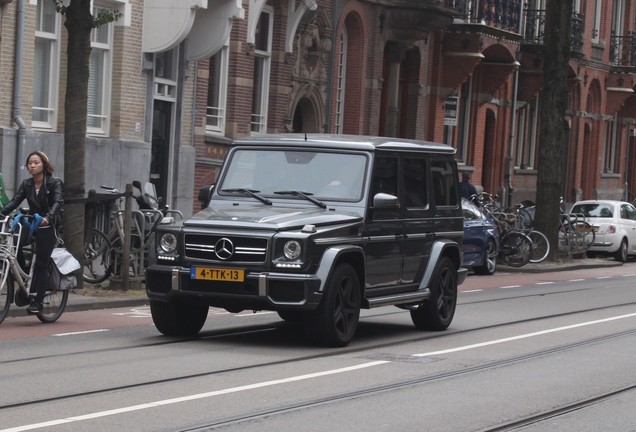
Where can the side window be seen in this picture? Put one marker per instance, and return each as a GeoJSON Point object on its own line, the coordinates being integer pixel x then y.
{"type": "Point", "coordinates": [444, 179]}
{"type": "Point", "coordinates": [415, 182]}
{"type": "Point", "coordinates": [385, 180]}
{"type": "Point", "coordinates": [385, 175]}
{"type": "Point", "coordinates": [631, 212]}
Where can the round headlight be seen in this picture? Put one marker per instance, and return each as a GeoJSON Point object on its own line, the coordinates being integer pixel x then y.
{"type": "Point", "coordinates": [168, 242]}
{"type": "Point", "coordinates": [292, 250]}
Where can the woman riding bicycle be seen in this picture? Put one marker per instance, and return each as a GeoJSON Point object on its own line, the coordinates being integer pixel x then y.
{"type": "Point", "coordinates": [44, 196]}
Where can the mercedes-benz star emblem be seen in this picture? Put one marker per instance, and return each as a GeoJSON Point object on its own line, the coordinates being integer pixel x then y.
{"type": "Point", "coordinates": [224, 248]}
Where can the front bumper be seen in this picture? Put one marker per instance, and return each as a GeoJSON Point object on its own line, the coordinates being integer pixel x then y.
{"type": "Point", "coordinates": [260, 290]}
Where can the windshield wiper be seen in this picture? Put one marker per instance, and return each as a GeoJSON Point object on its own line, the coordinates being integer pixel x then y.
{"type": "Point", "coordinates": [251, 192]}
{"type": "Point", "coordinates": [304, 195]}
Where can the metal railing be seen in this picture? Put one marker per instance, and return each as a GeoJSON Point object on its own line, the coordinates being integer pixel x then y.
{"type": "Point", "coordinates": [623, 50]}
{"type": "Point", "coordinates": [503, 14]}
{"type": "Point", "coordinates": [535, 28]}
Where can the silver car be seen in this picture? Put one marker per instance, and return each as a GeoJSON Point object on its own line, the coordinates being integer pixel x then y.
{"type": "Point", "coordinates": [614, 223]}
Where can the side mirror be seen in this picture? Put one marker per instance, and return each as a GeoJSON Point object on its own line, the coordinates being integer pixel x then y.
{"type": "Point", "coordinates": [205, 194]}
{"type": "Point", "coordinates": [385, 201]}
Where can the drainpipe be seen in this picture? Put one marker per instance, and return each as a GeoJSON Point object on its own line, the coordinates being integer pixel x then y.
{"type": "Point", "coordinates": [513, 119]}
{"type": "Point", "coordinates": [17, 94]}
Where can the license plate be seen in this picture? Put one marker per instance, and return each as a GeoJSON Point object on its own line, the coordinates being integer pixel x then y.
{"type": "Point", "coordinates": [217, 274]}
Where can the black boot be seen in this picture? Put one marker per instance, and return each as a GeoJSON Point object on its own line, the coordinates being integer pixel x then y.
{"type": "Point", "coordinates": [35, 306]}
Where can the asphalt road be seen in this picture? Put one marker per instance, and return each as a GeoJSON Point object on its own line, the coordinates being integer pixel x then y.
{"type": "Point", "coordinates": [549, 352]}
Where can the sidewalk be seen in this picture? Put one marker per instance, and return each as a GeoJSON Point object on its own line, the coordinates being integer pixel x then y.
{"type": "Point", "coordinates": [91, 298]}
{"type": "Point", "coordinates": [563, 265]}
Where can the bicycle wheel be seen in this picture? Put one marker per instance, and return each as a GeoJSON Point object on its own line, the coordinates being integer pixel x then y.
{"type": "Point", "coordinates": [586, 231]}
{"type": "Point", "coordinates": [54, 303]}
{"type": "Point", "coordinates": [97, 264]}
{"type": "Point", "coordinates": [540, 246]}
{"type": "Point", "coordinates": [6, 290]}
{"type": "Point", "coordinates": [516, 249]}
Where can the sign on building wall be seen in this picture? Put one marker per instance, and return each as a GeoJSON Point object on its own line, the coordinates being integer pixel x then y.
{"type": "Point", "coordinates": [450, 111]}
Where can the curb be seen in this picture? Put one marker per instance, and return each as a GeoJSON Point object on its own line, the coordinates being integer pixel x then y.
{"type": "Point", "coordinates": [563, 266]}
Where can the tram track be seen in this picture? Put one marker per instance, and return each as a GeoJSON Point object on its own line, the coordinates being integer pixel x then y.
{"type": "Point", "coordinates": [321, 355]}
{"type": "Point", "coordinates": [373, 390]}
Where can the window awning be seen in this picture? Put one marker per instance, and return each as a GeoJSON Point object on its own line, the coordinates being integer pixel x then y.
{"type": "Point", "coordinates": [206, 23]}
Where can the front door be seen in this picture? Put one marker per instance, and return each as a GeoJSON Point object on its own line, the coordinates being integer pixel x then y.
{"type": "Point", "coordinates": [161, 137]}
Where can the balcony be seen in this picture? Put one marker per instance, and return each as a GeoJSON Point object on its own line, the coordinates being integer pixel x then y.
{"type": "Point", "coordinates": [535, 29]}
{"type": "Point", "coordinates": [502, 14]}
{"type": "Point", "coordinates": [411, 20]}
{"type": "Point", "coordinates": [623, 50]}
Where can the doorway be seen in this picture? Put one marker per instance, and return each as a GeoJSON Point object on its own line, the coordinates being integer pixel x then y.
{"type": "Point", "coordinates": [161, 148]}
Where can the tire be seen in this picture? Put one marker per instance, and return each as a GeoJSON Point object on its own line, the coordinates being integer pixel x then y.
{"type": "Point", "coordinates": [54, 304]}
{"type": "Point", "coordinates": [6, 290]}
{"type": "Point", "coordinates": [489, 266]}
{"type": "Point", "coordinates": [515, 249]}
{"type": "Point", "coordinates": [621, 253]}
{"type": "Point", "coordinates": [540, 246]}
{"type": "Point", "coordinates": [97, 263]}
{"type": "Point", "coordinates": [177, 317]}
{"type": "Point", "coordinates": [335, 321]}
{"type": "Point", "coordinates": [438, 311]}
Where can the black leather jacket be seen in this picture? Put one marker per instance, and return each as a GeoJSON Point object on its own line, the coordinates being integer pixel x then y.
{"type": "Point", "coordinates": [47, 203]}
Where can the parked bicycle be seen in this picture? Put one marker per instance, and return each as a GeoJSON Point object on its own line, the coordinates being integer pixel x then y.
{"type": "Point", "coordinates": [515, 247]}
{"type": "Point", "coordinates": [104, 251]}
{"type": "Point", "coordinates": [15, 282]}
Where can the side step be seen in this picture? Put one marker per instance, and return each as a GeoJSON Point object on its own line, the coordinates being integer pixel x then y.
{"type": "Point", "coordinates": [400, 299]}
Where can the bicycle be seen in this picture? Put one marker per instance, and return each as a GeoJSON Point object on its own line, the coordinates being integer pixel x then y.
{"type": "Point", "coordinates": [515, 247]}
{"type": "Point", "coordinates": [103, 251]}
{"type": "Point", "coordinates": [11, 274]}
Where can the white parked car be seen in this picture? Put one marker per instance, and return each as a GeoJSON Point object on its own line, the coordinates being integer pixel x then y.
{"type": "Point", "coordinates": [615, 225]}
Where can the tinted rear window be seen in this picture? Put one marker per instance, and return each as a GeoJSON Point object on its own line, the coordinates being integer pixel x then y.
{"type": "Point", "coordinates": [597, 210]}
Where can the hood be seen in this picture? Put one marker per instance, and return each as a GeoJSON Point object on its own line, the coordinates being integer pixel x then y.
{"type": "Point", "coordinates": [274, 218]}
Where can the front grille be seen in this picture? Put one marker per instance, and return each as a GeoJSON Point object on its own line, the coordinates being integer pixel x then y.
{"type": "Point", "coordinates": [235, 248]}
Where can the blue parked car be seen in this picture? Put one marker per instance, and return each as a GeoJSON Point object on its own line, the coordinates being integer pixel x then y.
{"type": "Point", "coordinates": [481, 240]}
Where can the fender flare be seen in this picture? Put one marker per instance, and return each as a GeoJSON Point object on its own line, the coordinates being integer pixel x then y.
{"type": "Point", "coordinates": [330, 257]}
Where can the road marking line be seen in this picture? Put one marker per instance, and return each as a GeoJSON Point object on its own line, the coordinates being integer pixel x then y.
{"type": "Point", "coordinates": [193, 397]}
{"type": "Point", "coordinates": [471, 291]}
{"type": "Point", "coordinates": [576, 280]}
{"type": "Point", "coordinates": [510, 286]}
{"type": "Point", "coordinates": [604, 277]}
{"type": "Point", "coordinates": [81, 332]}
{"type": "Point", "coordinates": [543, 283]}
{"type": "Point", "coordinates": [523, 336]}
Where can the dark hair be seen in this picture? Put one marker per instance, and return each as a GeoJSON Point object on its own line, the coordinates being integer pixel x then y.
{"type": "Point", "coordinates": [48, 166]}
{"type": "Point", "coordinates": [465, 176]}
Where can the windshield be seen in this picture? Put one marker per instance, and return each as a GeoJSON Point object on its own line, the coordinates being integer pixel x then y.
{"type": "Point", "coordinates": [321, 175]}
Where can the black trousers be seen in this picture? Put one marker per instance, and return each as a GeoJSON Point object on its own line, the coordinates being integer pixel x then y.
{"type": "Point", "coordinates": [45, 240]}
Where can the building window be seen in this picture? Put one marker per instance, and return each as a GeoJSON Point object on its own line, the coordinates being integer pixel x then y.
{"type": "Point", "coordinates": [609, 151]}
{"type": "Point", "coordinates": [262, 64]}
{"type": "Point", "coordinates": [217, 92]}
{"type": "Point", "coordinates": [46, 66]}
{"type": "Point", "coordinates": [99, 81]}
{"type": "Point", "coordinates": [596, 29]}
{"type": "Point", "coordinates": [527, 134]}
{"type": "Point", "coordinates": [342, 73]}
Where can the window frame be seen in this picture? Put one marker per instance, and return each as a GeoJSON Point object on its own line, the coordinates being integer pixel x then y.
{"type": "Point", "coordinates": [219, 83]}
{"type": "Point", "coordinates": [106, 48]}
{"type": "Point", "coordinates": [261, 75]}
{"type": "Point", "coordinates": [53, 67]}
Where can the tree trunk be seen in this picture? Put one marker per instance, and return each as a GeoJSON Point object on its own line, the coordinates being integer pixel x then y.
{"type": "Point", "coordinates": [79, 22]}
{"type": "Point", "coordinates": [552, 147]}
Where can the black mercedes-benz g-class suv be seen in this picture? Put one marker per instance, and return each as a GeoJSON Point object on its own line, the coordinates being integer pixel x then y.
{"type": "Point", "coordinates": [317, 227]}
